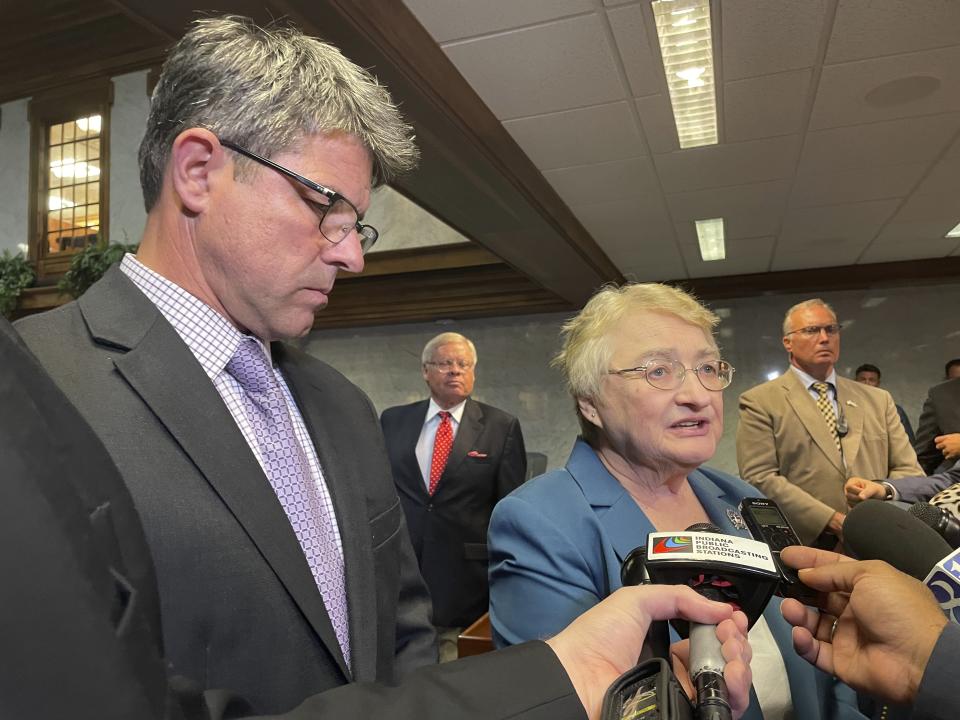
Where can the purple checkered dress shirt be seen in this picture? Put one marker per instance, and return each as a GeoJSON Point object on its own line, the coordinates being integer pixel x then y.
{"type": "Point", "coordinates": [263, 408]}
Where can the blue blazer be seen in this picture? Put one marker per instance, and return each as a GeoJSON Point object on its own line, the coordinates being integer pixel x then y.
{"type": "Point", "coordinates": [556, 545]}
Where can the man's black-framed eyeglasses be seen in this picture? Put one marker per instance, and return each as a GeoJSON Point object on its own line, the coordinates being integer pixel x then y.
{"type": "Point", "coordinates": [815, 330]}
{"type": "Point", "coordinates": [338, 218]}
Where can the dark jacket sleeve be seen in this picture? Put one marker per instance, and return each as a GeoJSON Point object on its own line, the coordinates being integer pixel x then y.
{"type": "Point", "coordinates": [928, 429]}
{"type": "Point", "coordinates": [525, 682]}
{"type": "Point", "coordinates": [937, 698]}
{"type": "Point", "coordinates": [513, 461]}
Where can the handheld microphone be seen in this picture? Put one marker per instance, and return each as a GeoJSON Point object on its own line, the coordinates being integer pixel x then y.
{"type": "Point", "coordinates": [910, 546]}
{"type": "Point", "coordinates": [720, 567]}
{"type": "Point", "coordinates": [904, 542]}
{"type": "Point", "coordinates": [939, 519]}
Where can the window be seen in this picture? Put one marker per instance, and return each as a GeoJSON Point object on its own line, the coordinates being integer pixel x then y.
{"type": "Point", "coordinates": [69, 171]}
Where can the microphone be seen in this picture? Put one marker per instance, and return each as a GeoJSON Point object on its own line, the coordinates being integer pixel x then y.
{"type": "Point", "coordinates": [940, 519]}
{"type": "Point", "coordinates": [910, 546]}
{"type": "Point", "coordinates": [726, 568]}
{"type": "Point", "coordinates": [842, 427]}
{"type": "Point", "coordinates": [876, 530]}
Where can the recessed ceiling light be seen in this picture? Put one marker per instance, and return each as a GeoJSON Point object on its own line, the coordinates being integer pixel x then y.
{"type": "Point", "coordinates": [686, 45]}
{"type": "Point", "coordinates": [955, 232]}
{"type": "Point", "coordinates": [710, 237]}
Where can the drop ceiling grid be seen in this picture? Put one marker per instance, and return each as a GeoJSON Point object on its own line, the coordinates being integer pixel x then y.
{"type": "Point", "coordinates": [827, 194]}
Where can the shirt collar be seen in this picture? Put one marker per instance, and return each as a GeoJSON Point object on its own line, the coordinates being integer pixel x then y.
{"type": "Point", "coordinates": [456, 411]}
{"type": "Point", "coordinates": [209, 335]}
{"type": "Point", "coordinates": [809, 380]}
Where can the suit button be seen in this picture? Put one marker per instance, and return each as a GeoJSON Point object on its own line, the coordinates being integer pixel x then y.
{"type": "Point", "coordinates": [429, 507]}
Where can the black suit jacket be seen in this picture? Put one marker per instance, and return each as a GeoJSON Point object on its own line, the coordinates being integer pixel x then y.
{"type": "Point", "coordinates": [449, 529]}
{"type": "Point", "coordinates": [80, 627]}
{"type": "Point", "coordinates": [940, 416]}
{"type": "Point", "coordinates": [241, 606]}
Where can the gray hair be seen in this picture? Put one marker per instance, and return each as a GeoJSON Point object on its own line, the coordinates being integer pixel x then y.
{"type": "Point", "coordinates": [805, 305]}
{"type": "Point", "coordinates": [266, 88]}
{"type": "Point", "coordinates": [446, 339]}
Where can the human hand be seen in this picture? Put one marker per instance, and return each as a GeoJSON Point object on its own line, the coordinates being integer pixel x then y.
{"type": "Point", "coordinates": [836, 524]}
{"type": "Point", "coordinates": [949, 445]}
{"type": "Point", "coordinates": [858, 489]}
{"type": "Point", "coordinates": [605, 642]}
{"type": "Point", "coordinates": [877, 626]}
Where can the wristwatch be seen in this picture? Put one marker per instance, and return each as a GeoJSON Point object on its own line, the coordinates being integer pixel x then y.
{"type": "Point", "coordinates": [891, 491]}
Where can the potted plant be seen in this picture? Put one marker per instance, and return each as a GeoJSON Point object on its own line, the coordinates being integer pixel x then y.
{"type": "Point", "coordinates": [90, 264]}
{"type": "Point", "coordinates": [16, 274]}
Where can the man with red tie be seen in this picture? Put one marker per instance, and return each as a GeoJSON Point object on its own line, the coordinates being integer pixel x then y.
{"type": "Point", "coordinates": [453, 458]}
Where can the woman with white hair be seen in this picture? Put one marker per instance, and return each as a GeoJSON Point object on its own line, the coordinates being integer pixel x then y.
{"type": "Point", "coordinates": [647, 379]}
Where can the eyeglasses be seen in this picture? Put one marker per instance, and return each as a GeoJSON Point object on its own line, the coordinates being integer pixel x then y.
{"type": "Point", "coordinates": [815, 330]}
{"type": "Point", "coordinates": [338, 218]}
{"type": "Point", "coordinates": [664, 374]}
{"type": "Point", "coordinates": [448, 365]}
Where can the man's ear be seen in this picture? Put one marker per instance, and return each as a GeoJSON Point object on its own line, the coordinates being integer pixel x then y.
{"type": "Point", "coordinates": [589, 411]}
{"type": "Point", "coordinates": [195, 159]}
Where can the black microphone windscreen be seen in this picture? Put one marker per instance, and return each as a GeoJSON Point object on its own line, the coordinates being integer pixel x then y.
{"type": "Point", "coordinates": [929, 515]}
{"type": "Point", "coordinates": [704, 527]}
{"type": "Point", "coordinates": [876, 530]}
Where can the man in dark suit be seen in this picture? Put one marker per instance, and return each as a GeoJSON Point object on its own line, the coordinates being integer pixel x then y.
{"type": "Point", "coordinates": [80, 630]}
{"type": "Point", "coordinates": [260, 473]}
{"type": "Point", "coordinates": [938, 432]}
{"type": "Point", "coordinates": [869, 374]}
{"type": "Point", "coordinates": [453, 458]}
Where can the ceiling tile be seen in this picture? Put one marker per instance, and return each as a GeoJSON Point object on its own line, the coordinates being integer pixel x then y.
{"type": "Point", "coordinates": [656, 117]}
{"type": "Point", "coordinates": [620, 225]}
{"type": "Point", "coordinates": [748, 255]}
{"type": "Point", "coordinates": [911, 245]}
{"type": "Point", "coordinates": [897, 232]}
{"type": "Point", "coordinates": [532, 71]}
{"type": "Point", "coordinates": [828, 235]}
{"type": "Point", "coordinates": [943, 207]}
{"type": "Point", "coordinates": [640, 61]}
{"type": "Point", "coordinates": [632, 179]}
{"type": "Point", "coordinates": [895, 142]}
{"type": "Point", "coordinates": [747, 210]}
{"type": "Point", "coordinates": [577, 137]}
{"type": "Point", "coordinates": [453, 19]}
{"type": "Point", "coordinates": [842, 96]}
{"type": "Point", "coordinates": [765, 106]}
{"type": "Point", "coordinates": [866, 28]}
{"type": "Point", "coordinates": [770, 36]}
{"type": "Point", "coordinates": [850, 186]}
{"type": "Point", "coordinates": [732, 164]}
{"type": "Point", "coordinates": [945, 175]}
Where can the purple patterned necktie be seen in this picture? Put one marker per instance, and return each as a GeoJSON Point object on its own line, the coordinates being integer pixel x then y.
{"type": "Point", "coordinates": [287, 470]}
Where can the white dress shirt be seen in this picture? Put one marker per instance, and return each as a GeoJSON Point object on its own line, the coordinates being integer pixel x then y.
{"type": "Point", "coordinates": [428, 434]}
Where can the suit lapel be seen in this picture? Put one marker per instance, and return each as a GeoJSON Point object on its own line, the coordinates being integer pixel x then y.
{"type": "Point", "coordinates": [410, 429]}
{"type": "Point", "coordinates": [847, 397]}
{"type": "Point", "coordinates": [164, 373]}
{"type": "Point", "coordinates": [471, 425]}
{"type": "Point", "coordinates": [810, 417]}
{"type": "Point", "coordinates": [342, 474]}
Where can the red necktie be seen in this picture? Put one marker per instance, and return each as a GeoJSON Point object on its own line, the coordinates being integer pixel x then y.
{"type": "Point", "coordinates": [441, 449]}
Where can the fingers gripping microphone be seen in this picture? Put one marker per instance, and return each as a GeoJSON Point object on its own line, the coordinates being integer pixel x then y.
{"type": "Point", "coordinates": [941, 520]}
{"type": "Point", "coordinates": [726, 568]}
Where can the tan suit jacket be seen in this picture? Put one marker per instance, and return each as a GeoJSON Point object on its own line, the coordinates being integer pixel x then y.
{"type": "Point", "coordinates": [785, 449]}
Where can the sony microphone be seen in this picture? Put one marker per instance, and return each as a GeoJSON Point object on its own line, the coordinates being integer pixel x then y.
{"type": "Point", "coordinates": [939, 519]}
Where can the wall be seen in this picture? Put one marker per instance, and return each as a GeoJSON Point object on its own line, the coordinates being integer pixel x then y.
{"type": "Point", "coordinates": [14, 174]}
{"type": "Point", "coordinates": [128, 117]}
{"type": "Point", "coordinates": [909, 332]}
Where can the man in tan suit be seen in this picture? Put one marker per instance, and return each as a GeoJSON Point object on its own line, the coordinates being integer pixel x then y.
{"type": "Point", "coordinates": [803, 434]}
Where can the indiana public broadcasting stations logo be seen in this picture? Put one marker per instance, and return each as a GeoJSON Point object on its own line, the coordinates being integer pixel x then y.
{"type": "Point", "coordinates": [673, 544]}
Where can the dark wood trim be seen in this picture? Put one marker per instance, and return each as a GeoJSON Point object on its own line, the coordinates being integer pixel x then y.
{"type": "Point", "coordinates": [67, 77]}
{"type": "Point", "coordinates": [436, 257]}
{"type": "Point", "coordinates": [846, 277]}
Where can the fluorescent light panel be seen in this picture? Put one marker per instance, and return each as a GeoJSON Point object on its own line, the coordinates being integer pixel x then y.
{"type": "Point", "coordinates": [686, 46]}
{"type": "Point", "coordinates": [710, 237]}
{"type": "Point", "coordinates": [955, 233]}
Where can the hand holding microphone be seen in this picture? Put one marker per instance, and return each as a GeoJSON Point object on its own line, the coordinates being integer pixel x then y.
{"type": "Point", "coordinates": [877, 627]}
